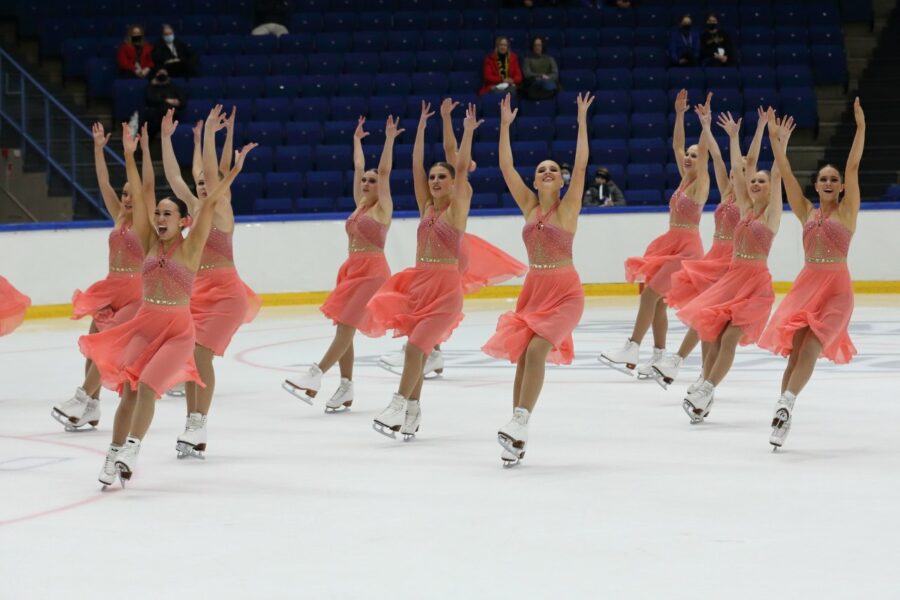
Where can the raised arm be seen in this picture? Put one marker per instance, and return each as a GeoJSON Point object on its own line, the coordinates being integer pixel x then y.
{"type": "Point", "coordinates": [849, 206]}
{"type": "Point", "coordinates": [722, 180]}
{"type": "Point", "coordinates": [776, 203]}
{"type": "Point", "coordinates": [449, 135]}
{"type": "Point", "coordinates": [197, 157]}
{"type": "Point", "coordinates": [523, 196]}
{"type": "Point", "coordinates": [681, 106]}
{"type": "Point", "coordinates": [110, 198]}
{"type": "Point", "coordinates": [214, 122]}
{"type": "Point", "coordinates": [756, 143]}
{"type": "Point", "coordinates": [572, 200]}
{"type": "Point", "coordinates": [800, 204]}
{"type": "Point", "coordinates": [359, 159]}
{"type": "Point", "coordinates": [420, 178]}
{"type": "Point", "coordinates": [385, 201]}
{"type": "Point", "coordinates": [228, 148]}
{"type": "Point", "coordinates": [463, 200]}
{"type": "Point", "coordinates": [170, 162]}
{"type": "Point", "coordinates": [202, 225]}
{"type": "Point", "coordinates": [147, 174]}
{"type": "Point", "coordinates": [704, 112]}
{"type": "Point", "coordinates": [141, 220]}
{"type": "Point", "coordinates": [732, 128]}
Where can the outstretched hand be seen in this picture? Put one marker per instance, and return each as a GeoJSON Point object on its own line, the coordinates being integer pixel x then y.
{"type": "Point", "coordinates": [240, 156]}
{"type": "Point", "coordinates": [169, 124]}
{"type": "Point", "coordinates": [391, 131]}
{"type": "Point", "coordinates": [858, 113]}
{"type": "Point", "coordinates": [145, 139]}
{"type": "Point", "coordinates": [681, 102]}
{"type": "Point", "coordinates": [447, 107]}
{"type": "Point", "coordinates": [471, 121]}
{"type": "Point", "coordinates": [786, 127]}
{"type": "Point", "coordinates": [507, 113]}
{"type": "Point", "coordinates": [584, 103]}
{"type": "Point", "coordinates": [129, 142]}
{"type": "Point", "coordinates": [216, 120]}
{"type": "Point", "coordinates": [197, 128]}
{"type": "Point", "coordinates": [229, 121]}
{"type": "Point", "coordinates": [427, 113]}
{"type": "Point", "coordinates": [727, 122]}
{"type": "Point", "coordinates": [100, 137]}
{"type": "Point", "coordinates": [360, 133]}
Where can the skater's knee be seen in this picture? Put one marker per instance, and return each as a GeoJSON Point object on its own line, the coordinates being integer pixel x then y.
{"type": "Point", "coordinates": [203, 355]}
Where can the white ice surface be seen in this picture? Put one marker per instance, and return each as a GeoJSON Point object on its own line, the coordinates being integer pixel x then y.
{"type": "Point", "coordinates": [618, 497]}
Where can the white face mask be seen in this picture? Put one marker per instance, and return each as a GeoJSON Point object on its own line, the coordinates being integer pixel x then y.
{"type": "Point", "coordinates": [566, 177]}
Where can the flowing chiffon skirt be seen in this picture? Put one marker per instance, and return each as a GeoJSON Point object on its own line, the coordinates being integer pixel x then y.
{"type": "Point", "coordinates": [696, 276]}
{"type": "Point", "coordinates": [483, 264]}
{"type": "Point", "coordinates": [361, 275]}
{"type": "Point", "coordinates": [663, 257]}
{"type": "Point", "coordinates": [13, 305]}
{"type": "Point", "coordinates": [110, 301]}
{"type": "Point", "coordinates": [220, 303]}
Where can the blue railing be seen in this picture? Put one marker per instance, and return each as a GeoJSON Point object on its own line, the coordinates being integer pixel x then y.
{"type": "Point", "coordinates": [37, 130]}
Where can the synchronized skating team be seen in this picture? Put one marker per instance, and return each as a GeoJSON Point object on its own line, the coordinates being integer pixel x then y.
{"type": "Point", "coordinates": [172, 301]}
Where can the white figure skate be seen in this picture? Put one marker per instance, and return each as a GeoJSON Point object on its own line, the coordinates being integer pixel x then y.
{"type": "Point", "coordinates": [514, 435]}
{"type": "Point", "coordinates": [177, 391]}
{"type": "Point", "coordinates": [342, 398]}
{"type": "Point", "coordinates": [509, 459]}
{"type": "Point", "coordinates": [412, 421]}
{"type": "Point", "coordinates": [624, 360]}
{"type": "Point", "coordinates": [781, 421]}
{"type": "Point", "coordinates": [647, 372]}
{"type": "Point", "coordinates": [698, 403]}
{"type": "Point", "coordinates": [393, 362]}
{"type": "Point", "coordinates": [305, 386]}
{"type": "Point", "coordinates": [193, 441]}
{"type": "Point", "coordinates": [126, 459]}
{"type": "Point", "coordinates": [109, 473]}
{"type": "Point", "coordinates": [693, 387]}
{"type": "Point", "coordinates": [391, 419]}
{"type": "Point", "coordinates": [666, 370]}
{"type": "Point", "coordinates": [77, 411]}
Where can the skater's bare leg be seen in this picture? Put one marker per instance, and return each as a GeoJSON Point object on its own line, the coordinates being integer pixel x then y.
{"type": "Point", "coordinates": [533, 375]}
{"type": "Point", "coordinates": [343, 339]}
{"type": "Point", "coordinates": [346, 362]}
{"type": "Point", "coordinates": [646, 314]}
{"type": "Point", "coordinates": [728, 341]}
{"type": "Point", "coordinates": [417, 390]}
{"type": "Point", "coordinates": [143, 413]}
{"type": "Point", "coordinates": [712, 354]}
{"type": "Point", "coordinates": [806, 363]}
{"type": "Point", "coordinates": [124, 415]}
{"type": "Point", "coordinates": [688, 343]}
{"type": "Point", "coordinates": [93, 381]}
{"type": "Point", "coordinates": [660, 324]}
{"type": "Point", "coordinates": [517, 383]}
{"type": "Point", "coordinates": [413, 366]}
{"type": "Point", "coordinates": [203, 356]}
{"type": "Point", "coordinates": [796, 344]}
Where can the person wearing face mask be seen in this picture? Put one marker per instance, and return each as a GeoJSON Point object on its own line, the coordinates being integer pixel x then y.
{"type": "Point", "coordinates": [174, 55]}
{"type": "Point", "coordinates": [501, 71]}
{"type": "Point", "coordinates": [603, 192]}
{"type": "Point", "coordinates": [716, 47]}
{"type": "Point", "coordinates": [159, 97]}
{"type": "Point", "coordinates": [684, 43]}
{"type": "Point", "coordinates": [135, 55]}
{"type": "Point", "coordinates": [565, 171]}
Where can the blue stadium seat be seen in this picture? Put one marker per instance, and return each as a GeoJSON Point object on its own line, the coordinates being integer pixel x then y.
{"type": "Point", "coordinates": [447, 40]}
{"type": "Point", "coordinates": [271, 109]}
{"type": "Point", "coordinates": [617, 36]}
{"type": "Point", "coordinates": [578, 80]}
{"type": "Point", "coordinates": [650, 78]}
{"type": "Point", "coordinates": [325, 63]}
{"type": "Point", "coordinates": [487, 180]}
{"type": "Point", "coordinates": [566, 127]}
{"type": "Point", "coordinates": [825, 13]}
{"type": "Point", "coordinates": [216, 65]}
{"type": "Point", "coordinates": [727, 100]}
{"type": "Point", "coordinates": [397, 62]}
{"type": "Point", "coordinates": [204, 87]}
{"type": "Point", "coordinates": [757, 56]}
{"type": "Point", "coordinates": [362, 63]}
{"type": "Point", "coordinates": [645, 177]}
{"type": "Point", "coordinates": [402, 181]}
{"type": "Point", "coordinates": [539, 108]}
{"type": "Point", "coordinates": [791, 55]}
{"type": "Point", "coordinates": [293, 158]}
{"type": "Point", "coordinates": [435, 60]}
{"type": "Point", "coordinates": [582, 37]}
{"type": "Point", "coordinates": [251, 66]}
{"type": "Point", "coordinates": [691, 125]}
{"type": "Point", "coordinates": [433, 82]}
{"type": "Point", "coordinates": [394, 84]}
{"type": "Point", "coordinates": [314, 204]}
{"type": "Point", "coordinates": [369, 41]}
{"type": "Point", "coordinates": [829, 64]}
{"type": "Point", "coordinates": [531, 152]}
{"type": "Point", "coordinates": [516, 18]}
{"type": "Point", "coordinates": [757, 77]}
{"type": "Point", "coordinates": [259, 161]}
{"type": "Point", "coordinates": [756, 15]}
{"type": "Point", "coordinates": [333, 157]}
{"type": "Point", "coordinates": [657, 37]}
{"type": "Point", "coordinates": [468, 60]}
{"type": "Point", "coordinates": [464, 82]}
{"type": "Point", "coordinates": [792, 35]}
{"type": "Point", "coordinates": [282, 86]}
{"type": "Point", "coordinates": [444, 19]}
{"type": "Point", "coordinates": [687, 78]}
{"type": "Point", "coordinates": [303, 133]}
{"type": "Point", "coordinates": [128, 96]}
{"type": "Point", "coordinates": [490, 131]}
{"type": "Point", "coordinates": [825, 35]}
{"type": "Point", "coordinates": [246, 189]}
{"type": "Point", "coordinates": [611, 127]}
{"type": "Point", "coordinates": [224, 44]}
{"type": "Point", "coordinates": [264, 133]}
{"type": "Point", "coordinates": [411, 20]}
{"type": "Point", "coordinates": [404, 41]}
{"type": "Point", "coordinates": [197, 22]}
{"type": "Point", "coordinates": [547, 19]}
{"type": "Point", "coordinates": [476, 39]}
{"type": "Point", "coordinates": [651, 15]}
{"type": "Point", "coordinates": [309, 109]}
{"type": "Point", "coordinates": [333, 41]}
{"type": "Point", "coordinates": [244, 87]}
{"type": "Point", "coordinates": [283, 184]}
{"type": "Point", "coordinates": [101, 73]}
{"type": "Point", "coordinates": [258, 44]}
{"type": "Point", "coordinates": [356, 84]}
{"type": "Point", "coordinates": [324, 183]}
{"type": "Point", "coordinates": [649, 124]}
{"type": "Point", "coordinates": [614, 79]}
{"type": "Point", "coordinates": [341, 21]}
{"type": "Point", "coordinates": [765, 97]}
{"type": "Point", "coordinates": [649, 101]}
{"type": "Point", "coordinates": [644, 197]}
{"type": "Point", "coordinates": [673, 177]}
{"type": "Point", "coordinates": [562, 151]}
{"type": "Point", "coordinates": [273, 206]}
{"type": "Point", "coordinates": [380, 107]}
{"type": "Point", "coordinates": [794, 76]}
{"type": "Point", "coordinates": [485, 154]}
{"type": "Point", "coordinates": [405, 202]}
{"type": "Point", "coordinates": [647, 150]}
{"type": "Point", "coordinates": [296, 43]}
{"type": "Point", "coordinates": [757, 36]}
{"type": "Point", "coordinates": [345, 204]}
{"type": "Point", "coordinates": [489, 200]}
{"type": "Point", "coordinates": [650, 57]}
{"type": "Point", "coordinates": [376, 20]}
{"type": "Point", "coordinates": [339, 132]}
{"type": "Point", "coordinates": [318, 85]}
{"type": "Point", "coordinates": [612, 102]}
{"type": "Point", "coordinates": [481, 19]}
{"type": "Point", "coordinates": [578, 58]}
{"type": "Point", "coordinates": [533, 129]}
{"type": "Point", "coordinates": [609, 151]}
{"type": "Point", "coordinates": [800, 103]}
{"type": "Point", "coordinates": [232, 23]}
{"type": "Point", "coordinates": [717, 77]}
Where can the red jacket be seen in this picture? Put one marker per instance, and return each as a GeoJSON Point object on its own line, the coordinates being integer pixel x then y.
{"type": "Point", "coordinates": [491, 71]}
{"type": "Point", "coordinates": [125, 57]}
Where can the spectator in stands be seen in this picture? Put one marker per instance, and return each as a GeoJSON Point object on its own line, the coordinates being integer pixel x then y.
{"type": "Point", "coordinates": [541, 73]}
{"type": "Point", "coordinates": [159, 97]}
{"type": "Point", "coordinates": [135, 56]}
{"type": "Point", "coordinates": [565, 171]}
{"type": "Point", "coordinates": [270, 17]}
{"type": "Point", "coordinates": [604, 191]}
{"type": "Point", "coordinates": [501, 73]}
{"type": "Point", "coordinates": [716, 47]}
{"type": "Point", "coordinates": [684, 44]}
{"type": "Point", "coordinates": [173, 55]}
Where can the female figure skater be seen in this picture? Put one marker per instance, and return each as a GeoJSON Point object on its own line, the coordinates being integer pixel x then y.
{"type": "Point", "coordinates": [425, 302]}
{"type": "Point", "coordinates": [697, 275]}
{"type": "Point", "coordinates": [812, 319]}
{"type": "Point", "coordinates": [110, 301]}
{"type": "Point", "coordinates": [481, 264]}
{"type": "Point", "coordinates": [220, 302]}
{"type": "Point", "coordinates": [735, 309]}
{"type": "Point", "coordinates": [552, 299]}
{"type": "Point", "coordinates": [361, 275]}
{"type": "Point", "coordinates": [13, 305]}
{"type": "Point", "coordinates": [146, 355]}
{"type": "Point", "coordinates": [665, 254]}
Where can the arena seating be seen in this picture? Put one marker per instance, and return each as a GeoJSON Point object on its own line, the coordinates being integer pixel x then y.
{"type": "Point", "coordinates": [299, 95]}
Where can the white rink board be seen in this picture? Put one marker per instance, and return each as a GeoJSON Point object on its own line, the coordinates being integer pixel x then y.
{"type": "Point", "coordinates": [304, 256]}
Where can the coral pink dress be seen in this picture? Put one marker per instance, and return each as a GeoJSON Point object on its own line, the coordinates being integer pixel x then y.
{"type": "Point", "coordinates": [13, 305]}
{"type": "Point", "coordinates": [361, 275]}
{"type": "Point", "coordinates": [425, 302]}
{"type": "Point", "coordinates": [220, 302]}
{"type": "Point", "coordinates": [155, 347]}
{"type": "Point", "coordinates": [117, 298]}
{"type": "Point", "coordinates": [664, 255]}
{"type": "Point", "coordinates": [697, 275]}
{"type": "Point", "coordinates": [552, 299]}
{"type": "Point", "coordinates": [743, 297]}
{"type": "Point", "coordinates": [483, 264]}
{"type": "Point", "coordinates": [821, 297]}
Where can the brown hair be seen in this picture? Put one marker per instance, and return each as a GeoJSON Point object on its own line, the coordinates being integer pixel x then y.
{"type": "Point", "coordinates": [826, 166]}
{"type": "Point", "coordinates": [447, 166]}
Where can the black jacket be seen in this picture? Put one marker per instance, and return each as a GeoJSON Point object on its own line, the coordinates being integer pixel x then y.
{"type": "Point", "coordinates": [186, 64]}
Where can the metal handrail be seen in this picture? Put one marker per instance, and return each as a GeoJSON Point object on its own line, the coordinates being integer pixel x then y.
{"type": "Point", "coordinates": [75, 126]}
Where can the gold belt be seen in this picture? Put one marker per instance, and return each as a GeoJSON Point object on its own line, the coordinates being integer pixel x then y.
{"type": "Point", "coordinates": [365, 249]}
{"type": "Point", "coordinates": [224, 265]}
{"type": "Point", "coordinates": [125, 269]}
{"type": "Point", "coordinates": [683, 225]}
{"type": "Point", "coordinates": [556, 265]}
{"type": "Point", "coordinates": [720, 236]}
{"type": "Point", "coordinates": [836, 259]}
{"type": "Point", "coordinates": [166, 302]}
{"type": "Point", "coordinates": [444, 261]}
{"type": "Point", "coordinates": [743, 256]}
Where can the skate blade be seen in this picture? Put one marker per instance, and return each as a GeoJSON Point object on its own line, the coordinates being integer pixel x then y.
{"type": "Point", "coordinates": [689, 410]}
{"type": "Point", "coordinates": [509, 464]}
{"type": "Point", "coordinates": [385, 430]}
{"type": "Point", "coordinates": [390, 368]}
{"type": "Point", "coordinates": [656, 378]}
{"type": "Point", "coordinates": [620, 367]}
{"type": "Point", "coordinates": [345, 407]}
{"type": "Point", "coordinates": [509, 444]}
{"type": "Point", "coordinates": [433, 375]}
{"type": "Point", "coordinates": [407, 437]}
{"type": "Point", "coordinates": [176, 393]}
{"type": "Point", "coordinates": [185, 450]}
{"type": "Point", "coordinates": [298, 392]}
{"type": "Point", "coordinates": [71, 426]}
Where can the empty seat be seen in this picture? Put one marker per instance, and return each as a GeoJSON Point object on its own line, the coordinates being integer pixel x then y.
{"type": "Point", "coordinates": [829, 64]}
{"type": "Point", "coordinates": [644, 197]}
{"type": "Point", "coordinates": [645, 177]}
{"type": "Point", "coordinates": [315, 204]}
{"type": "Point", "coordinates": [614, 79]}
{"type": "Point", "coordinates": [647, 150]}
{"type": "Point", "coordinates": [268, 133]}
{"type": "Point", "coordinates": [612, 102]}
{"type": "Point", "coordinates": [271, 109]}
{"type": "Point", "coordinates": [649, 124]}
{"type": "Point", "coordinates": [326, 184]}
{"type": "Point", "coordinates": [611, 126]}
{"type": "Point", "coordinates": [487, 180]}
{"type": "Point", "coordinates": [578, 58]}
{"type": "Point", "coordinates": [534, 128]}
{"type": "Point", "coordinates": [245, 190]}
{"type": "Point", "coordinates": [609, 151]}
{"type": "Point", "coordinates": [649, 79]}
{"type": "Point", "coordinates": [647, 101]}
{"type": "Point", "coordinates": [325, 63]}
{"type": "Point", "coordinates": [650, 57]}
{"type": "Point", "coordinates": [348, 108]}
{"type": "Point", "coordinates": [318, 85]}
{"type": "Point", "coordinates": [579, 79]}
{"type": "Point", "coordinates": [800, 103]}
{"type": "Point", "coordinates": [257, 44]}
{"type": "Point", "coordinates": [283, 185]}
{"type": "Point", "coordinates": [333, 157]}
{"type": "Point", "coordinates": [215, 65]}
{"type": "Point", "coordinates": [273, 206]}
{"type": "Point", "coordinates": [338, 132]}
{"type": "Point", "coordinates": [293, 158]}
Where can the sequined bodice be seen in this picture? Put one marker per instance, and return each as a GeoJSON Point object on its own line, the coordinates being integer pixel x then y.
{"type": "Point", "coordinates": [436, 239]}
{"type": "Point", "coordinates": [727, 216]}
{"type": "Point", "coordinates": [825, 240]}
{"type": "Point", "coordinates": [752, 238]}
{"type": "Point", "coordinates": [166, 282]}
{"type": "Point", "coordinates": [683, 212]}
{"type": "Point", "coordinates": [219, 250]}
{"type": "Point", "coordinates": [548, 245]}
{"type": "Point", "coordinates": [125, 252]}
{"type": "Point", "coordinates": [365, 233]}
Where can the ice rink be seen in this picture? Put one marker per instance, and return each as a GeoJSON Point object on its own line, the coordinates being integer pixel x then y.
{"type": "Point", "coordinates": [618, 496]}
